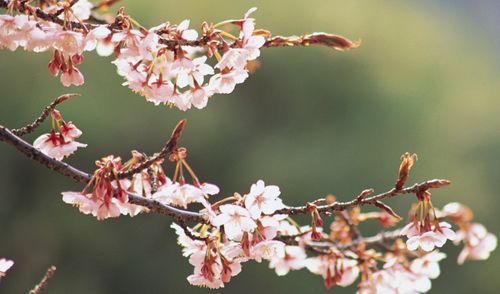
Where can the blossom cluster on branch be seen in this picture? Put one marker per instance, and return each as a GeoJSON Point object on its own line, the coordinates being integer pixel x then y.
{"type": "Point", "coordinates": [169, 64]}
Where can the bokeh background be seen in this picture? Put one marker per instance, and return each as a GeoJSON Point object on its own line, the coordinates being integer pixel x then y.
{"type": "Point", "coordinates": [311, 120]}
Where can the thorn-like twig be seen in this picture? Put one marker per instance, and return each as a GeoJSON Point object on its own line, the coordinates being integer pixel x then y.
{"type": "Point", "coordinates": [170, 146]}
{"type": "Point", "coordinates": [45, 113]}
{"type": "Point", "coordinates": [45, 280]}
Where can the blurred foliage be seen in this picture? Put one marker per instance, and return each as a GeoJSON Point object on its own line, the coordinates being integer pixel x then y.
{"type": "Point", "coordinates": [311, 120]}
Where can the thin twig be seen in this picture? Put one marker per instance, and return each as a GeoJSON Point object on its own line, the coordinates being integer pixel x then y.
{"type": "Point", "coordinates": [45, 113]}
{"type": "Point", "coordinates": [45, 280]}
{"type": "Point", "coordinates": [359, 201]}
{"type": "Point", "coordinates": [170, 146]}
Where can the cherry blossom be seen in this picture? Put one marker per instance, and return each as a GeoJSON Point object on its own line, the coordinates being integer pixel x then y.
{"type": "Point", "coordinates": [427, 239]}
{"type": "Point", "coordinates": [183, 194]}
{"type": "Point", "coordinates": [207, 270]}
{"type": "Point", "coordinates": [189, 246]}
{"type": "Point", "coordinates": [70, 43]}
{"type": "Point", "coordinates": [294, 259]}
{"type": "Point", "coordinates": [267, 250]}
{"type": "Point", "coordinates": [235, 220]}
{"type": "Point", "coordinates": [72, 76]}
{"type": "Point", "coordinates": [69, 131]}
{"type": "Point", "coordinates": [395, 278]}
{"type": "Point", "coordinates": [335, 271]}
{"type": "Point", "coordinates": [478, 243]}
{"type": "Point", "coordinates": [5, 265]}
{"type": "Point", "coordinates": [428, 265]}
{"type": "Point", "coordinates": [101, 39]}
{"type": "Point", "coordinates": [54, 145]}
{"type": "Point", "coordinates": [263, 199]}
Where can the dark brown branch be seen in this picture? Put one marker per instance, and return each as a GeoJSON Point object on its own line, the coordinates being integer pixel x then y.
{"type": "Point", "coordinates": [170, 146]}
{"type": "Point", "coordinates": [45, 280]}
{"type": "Point", "coordinates": [359, 201]}
{"type": "Point", "coordinates": [45, 113]}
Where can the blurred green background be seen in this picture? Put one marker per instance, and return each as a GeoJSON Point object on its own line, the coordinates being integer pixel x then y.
{"type": "Point", "coordinates": [311, 120]}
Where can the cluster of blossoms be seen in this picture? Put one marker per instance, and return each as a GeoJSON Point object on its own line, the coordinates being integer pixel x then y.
{"type": "Point", "coordinates": [251, 228]}
{"type": "Point", "coordinates": [238, 232]}
{"type": "Point", "coordinates": [61, 143]}
{"type": "Point", "coordinates": [181, 75]}
{"type": "Point", "coordinates": [399, 275]}
{"type": "Point", "coordinates": [106, 195]}
{"type": "Point", "coordinates": [425, 230]}
{"type": "Point", "coordinates": [153, 61]}
{"type": "Point", "coordinates": [5, 265]}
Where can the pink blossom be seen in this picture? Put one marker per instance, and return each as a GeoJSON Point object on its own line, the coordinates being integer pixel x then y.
{"type": "Point", "coordinates": [38, 39]}
{"type": "Point", "coordinates": [72, 76]}
{"type": "Point", "coordinates": [234, 58]}
{"type": "Point", "coordinates": [148, 46]}
{"type": "Point", "coordinates": [263, 199]}
{"type": "Point", "coordinates": [161, 91]}
{"type": "Point", "coordinates": [199, 70]}
{"type": "Point", "coordinates": [478, 243]}
{"type": "Point", "coordinates": [294, 259]}
{"type": "Point", "coordinates": [189, 245]}
{"type": "Point", "coordinates": [235, 220]}
{"type": "Point", "coordinates": [251, 43]}
{"type": "Point", "coordinates": [81, 10]}
{"type": "Point", "coordinates": [428, 265]}
{"type": "Point", "coordinates": [335, 271]}
{"type": "Point", "coordinates": [82, 201]}
{"type": "Point", "coordinates": [225, 81]}
{"type": "Point", "coordinates": [199, 97]}
{"type": "Point", "coordinates": [69, 42]}
{"type": "Point", "coordinates": [5, 265]}
{"type": "Point", "coordinates": [69, 131]}
{"type": "Point", "coordinates": [395, 278]}
{"type": "Point", "coordinates": [54, 145]}
{"type": "Point", "coordinates": [10, 26]}
{"type": "Point", "coordinates": [183, 194]}
{"type": "Point", "coordinates": [267, 250]}
{"type": "Point", "coordinates": [269, 225]}
{"type": "Point", "coordinates": [207, 270]}
{"type": "Point", "coordinates": [100, 39]}
{"type": "Point", "coordinates": [427, 239]}
{"type": "Point", "coordinates": [87, 204]}
{"type": "Point", "coordinates": [185, 33]}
